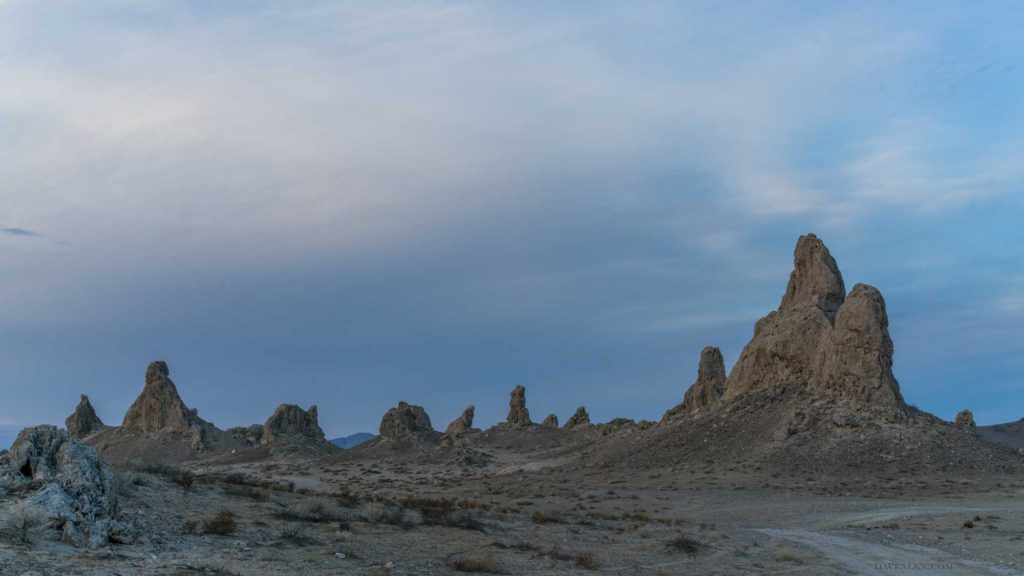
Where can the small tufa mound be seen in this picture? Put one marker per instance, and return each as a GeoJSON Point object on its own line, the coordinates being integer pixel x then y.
{"type": "Point", "coordinates": [463, 423]}
{"type": "Point", "coordinates": [292, 422]}
{"type": "Point", "coordinates": [83, 421]}
{"type": "Point", "coordinates": [405, 421]}
{"type": "Point", "coordinates": [518, 415]}
{"type": "Point", "coordinates": [579, 418]}
{"type": "Point", "coordinates": [965, 422]}
{"type": "Point", "coordinates": [551, 421]}
{"type": "Point", "coordinates": [79, 492]}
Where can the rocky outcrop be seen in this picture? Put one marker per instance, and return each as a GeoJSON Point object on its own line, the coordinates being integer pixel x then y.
{"type": "Point", "coordinates": [463, 423]}
{"type": "Point", "coordinates": [159, 408]}
{"type": "Point", "coordinates": [707, 390]}
{"type": "Point", "coordinates": [405, 421]}
{"type": "Point", "coordinates": [855, 357]}
{"type": "Point", "coordinates": [249, 435]}
{"type": "Point", "coordinates": [579, 418]}
{"type": "Point", "coordinates": [965, 422]}
{"type": "Point", "coordinates": [518, 415]}
{"type": "Point", "coordinates": [292, 422]}
{"type": "Point", "coordinates": [83, 421]}
{"type": "Point", "coordinates": [78, 491]}
{"type": "Point", "coordinates": [822, 342]}
{"type": "Point", "coordinates": [551, 421]}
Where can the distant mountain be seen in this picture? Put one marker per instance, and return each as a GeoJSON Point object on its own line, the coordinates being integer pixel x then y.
{"type": "Point", "coordinates": [353, 440]}
{"type": "Point", "coordinates": [1010, 434]}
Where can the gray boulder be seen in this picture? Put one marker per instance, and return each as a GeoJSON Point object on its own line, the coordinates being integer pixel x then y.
{"type": "Point", "coordinates": [78, 491]}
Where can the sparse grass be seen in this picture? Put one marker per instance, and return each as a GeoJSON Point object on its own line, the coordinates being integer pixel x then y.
{"type": "Point", "coordinates": [17, 525]}
{"type": "Point", "coordinates": [546, 517]}
{"type": "Point", "coordinates": [476, 564]}
{"type": "Point", "coordinates": [222, 524]}
{"type": "Point", "coordinates": [380, 513]}
{"type": "Point", "coordinates": [206, 568]}
{"type": "Point", "coordinates": [190, 527]}
{"type": "Point", "coordinates": [310, 511]}
{"type": "Point", "coordinates": [246, 491]}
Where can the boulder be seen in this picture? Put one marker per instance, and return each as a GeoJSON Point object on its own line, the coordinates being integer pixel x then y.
{"type": "Point", "coordinates": [551, 421]}
{"type": "Point", "coordinates": [404, 421]}
{"type": "Point", "coordinates": [965, 422]}
{"type": "Point", "coordinates": [463, 423]}
{"type": "Point", "coordinates": [292, 422]}
{"type": "Point", "coordinates": [518, 415]}
{"type": "Point", "coordinates": [83, 421]}
{"type": "Point", "coordinates": [579, 418]}
{"type": "Point", "coordinates": [78, 491]}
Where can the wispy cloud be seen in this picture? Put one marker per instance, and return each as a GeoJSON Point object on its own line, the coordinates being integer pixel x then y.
{"type": "Point", "coordinates": [21, 232]}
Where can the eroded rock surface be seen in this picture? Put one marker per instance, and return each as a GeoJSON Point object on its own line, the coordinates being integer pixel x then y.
{"type": "Point", "coordinates": [965, 421]}
{"type": "Point", "coordinates": [463, 423]}
{"type": "Point", "coordinates": [291, 421]}
{"type": "Point", "coordinates": [78, 491]}
{"type": "Point", "coordinates": [579, 418]}
{"type": "Point", "coordinates": [404, 421]}
{"type": "Point", "coordinates": [551, 421]}
{"type": "Point", "coordinates": [159, 408]}
{"type": "Point", "coordinates": [518, 415]}
{"type": "Point", "coordinates": [709, 387]}
{"type": "Point", "coordinates": [83, 421]}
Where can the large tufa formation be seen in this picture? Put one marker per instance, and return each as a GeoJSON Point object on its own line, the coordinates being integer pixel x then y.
{"type": "Point", "coordinates": [707, 390]}
{"type": "Point", "coordinates": [579, 418]}
{"type": "Point", "coordinates": [821, 341]}
{"type": "Point", "coordinates": [160, 409]}
{"type": "Point", "coordinates": [83, 421]}
{"type": "Point", "coordinates": [78, 493]}
{"type": "Point", "coordinates": [292, 422]}
{"type": "Point", "coordinates": [965, 422]}
{"type": "Point", "coordinates": [518, 415]}
{"type": "Point", "coordinates": [463, 423]}
{"type": "Point", "coordinates": [405, 421]}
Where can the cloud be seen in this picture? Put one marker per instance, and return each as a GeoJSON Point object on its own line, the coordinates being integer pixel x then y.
{"type": "Point", "coordinates": [21, 232]}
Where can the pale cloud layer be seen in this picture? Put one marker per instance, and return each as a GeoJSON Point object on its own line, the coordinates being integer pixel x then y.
{"type": "Point", "coordinates": [595, 169]}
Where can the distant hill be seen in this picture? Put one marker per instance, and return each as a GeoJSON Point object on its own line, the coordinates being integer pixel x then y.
{"type": "Point", "coordinates": [1010, 434]}
{"type": "Point", "coordinates": [353, 440]}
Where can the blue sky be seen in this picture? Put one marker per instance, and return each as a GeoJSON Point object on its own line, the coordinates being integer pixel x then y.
{"type": "Point", "coordinates": [355, 203]}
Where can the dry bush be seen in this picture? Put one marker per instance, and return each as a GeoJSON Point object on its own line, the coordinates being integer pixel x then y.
{"type": "Point", "coordinates": [310, 511]}
{"type": "Point", "coordinates": [223, 523]}
{"type": "Point", "coordinates": [380, 513]}
{"type": "Point", "coordinates": [185, 479]}
{"type": "Point", "coordinates": [246, 491]}
{"type": "Point", "coordinates": [17, 525]}
{"type": "Point", "coordinates": [546, 517]}
{"type": "Point", "coordinates": [478, 564]}
{"type": "Point", "coordinates": [685, 544]}
{"type": "Point", "coordinates": [586, 560]}
{"type": "Point", "coordinates": [189, 527]}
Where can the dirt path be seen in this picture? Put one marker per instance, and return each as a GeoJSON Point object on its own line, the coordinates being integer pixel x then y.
{"type": "Point", "coordinates": [868, 558]}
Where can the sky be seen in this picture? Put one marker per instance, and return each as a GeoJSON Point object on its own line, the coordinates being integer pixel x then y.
{"type": "Point", "coordinates": [350, 204]}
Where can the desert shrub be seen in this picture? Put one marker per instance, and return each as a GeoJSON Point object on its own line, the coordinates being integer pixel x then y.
{"type": "Point", "coordinates": [246, 491]}
{"type": "Point", "coordinates": [685, 544]}
{"type": "Point", "coordinates": [586, 560]}
{"type": "Point", "coordinates": [347, 499]}
{"type": "Point", "coordinates": [190, 527]}
{"type": "Point", "coordinates": [430, 509]}
{"type": "Point", "coordinates": [310, 511]}
{"type": "Point", "coordinates": [380, 513]}
{"type": "Point", "coordinates": [185, 479]}
{"type": "Point", "coordinates": [222, 523]}
{"type": "Point", "coordinates": [478, 564]}
{"type": "Point", "coordinates": [17, 525]}
{"type": "Point", "coordinates": [546, 517]}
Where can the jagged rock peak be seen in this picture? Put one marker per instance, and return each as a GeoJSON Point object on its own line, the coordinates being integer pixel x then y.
{"type": "Point", "coordinates": [855, 360]}
{"type": "Point", "coordinates": [463, 423]}
{"type": "Point", "coordinates": [291, 421]}
{"type": "Point", "coordinates": [965, 421]}
{"type": "Point", "coordinates": [403, 421]}
{"type": "Point", "coordinates": [707, 390]}
{"type": "Point", "coordinates": [815, 279]}
{"type": "Point", "coordinates": [83, 421]}
{"type": "Point", "coordinates": [518, 415]}
{"type": "Point", "coordinates": [159, 408]}
{"type": "Point", "coordinates": [551, 421]}
{"type": "Point", "coordinates": [579, 418]}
